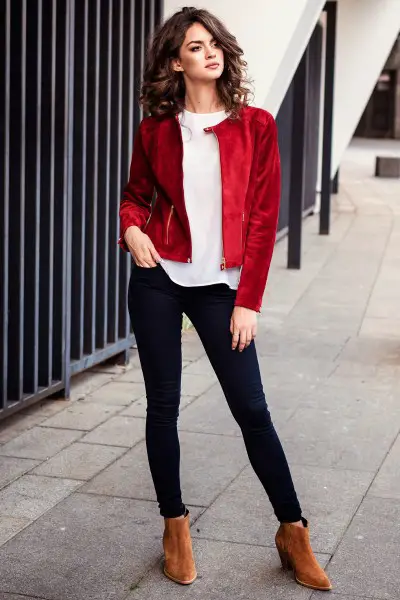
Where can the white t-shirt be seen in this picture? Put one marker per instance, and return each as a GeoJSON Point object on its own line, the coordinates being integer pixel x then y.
{"type": "Point", "coordinates": [203, 200]}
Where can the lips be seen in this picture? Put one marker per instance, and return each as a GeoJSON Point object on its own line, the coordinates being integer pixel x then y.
{"type": "Point", "coordinates": [212, 66]}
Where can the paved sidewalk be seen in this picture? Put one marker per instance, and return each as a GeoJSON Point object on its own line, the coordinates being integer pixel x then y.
{"type": "Point", "coordinates": [78, 518]}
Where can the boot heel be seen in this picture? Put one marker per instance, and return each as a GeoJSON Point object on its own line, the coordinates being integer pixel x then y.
{"type": "Point", "coordinates": [286, 566]}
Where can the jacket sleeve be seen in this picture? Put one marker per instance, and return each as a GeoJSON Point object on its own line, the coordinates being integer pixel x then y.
{"type": "Point", "coordinates": [263, 221]}
{"type": "Point", "coordinates": [136, 200]}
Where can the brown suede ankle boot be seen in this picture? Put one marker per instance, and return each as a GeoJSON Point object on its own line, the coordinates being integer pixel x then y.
{"type": "Point", "coordinates": [179, 563]}
{"type": "Point", "coordinates": [293, 544]}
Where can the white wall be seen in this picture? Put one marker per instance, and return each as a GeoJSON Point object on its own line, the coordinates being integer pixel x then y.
{"type": "Point", "coordinates": [366, 32]}
{"type": "Point", "coordinates": [273, 35]}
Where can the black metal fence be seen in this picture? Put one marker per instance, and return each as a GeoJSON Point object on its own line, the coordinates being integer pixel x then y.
{"type": "Point", "coordinates": [69, 79]}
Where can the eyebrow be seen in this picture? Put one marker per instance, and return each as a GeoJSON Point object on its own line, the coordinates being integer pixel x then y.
{"type": "Point", "coordinates": [198, 42]}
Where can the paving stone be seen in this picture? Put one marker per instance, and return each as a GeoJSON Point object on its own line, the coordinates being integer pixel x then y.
{"type": "Point", "coordinates": [12, 468]}
{"type": "Point", "coordinates": [10, 526]}
{"type": "Point", "coordinates": [128, 477]}
{"type": "Point", "coordinates": [208, 465]}
{"type": "Point", "coordinates": [134, 375]}
{"type": "Point", "coordinates": [46, 407]}
{"type": "Point", "coordinates": [328, 498]}
{"type": "Point", "coordinates": [13, 426]}
{"type": "Point", "coordinates": [339, 451]}
{"type": "Point", "coordinates": [82, 415]}
{"type": "Point", "coordinates": [118, 431]}
{"type": "Point", "coordinates": [40, 443]}
{"type": "Point", "coordinates": [138, 408]}
{"type": "Point", "coordinates": [367, 560]}
{"type": "Point", "coordinates": [387, 482]}
{"type": "Point", "coordinates": [192, 348]}
{"type": "Point", "coordinates": [322, 596]}
{"type": "Point", "coordinates": [31, 496]}
{"type": "Point", "coordinates": [86, 383]}
{"type": "Point", "coordinates": [88, 547]}
{"type": "Point", "coordinates": [316, 424]}
{"type": "Point", "coordinates": [118, 393]}
{"type": "Point", "coordinates": [201, 366]}
{"type": "Point", "coordinates": [194, 385]}
{"type": "Point", "coordinates": [5, 596]}
{"type": "Point", "coordinates": [226, 571]}
{"type": "Point", "coordinates": [79, 461]}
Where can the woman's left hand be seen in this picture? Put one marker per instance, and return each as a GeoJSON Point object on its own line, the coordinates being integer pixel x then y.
{"type": "Point", "coordinates": [243, 327]}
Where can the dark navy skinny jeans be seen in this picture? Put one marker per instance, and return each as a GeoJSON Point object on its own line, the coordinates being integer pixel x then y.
{"type": "Point", "coordinates": [156, 305]}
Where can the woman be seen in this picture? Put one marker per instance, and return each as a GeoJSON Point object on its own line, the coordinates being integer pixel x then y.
{"type": "Point", "coordinates": [204, 247]}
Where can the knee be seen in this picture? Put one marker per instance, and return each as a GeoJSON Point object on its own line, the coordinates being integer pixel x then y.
{"type": "Point", "coordinates": [254, 415]}
{"type": "Point", "coordinates": [163, 406]}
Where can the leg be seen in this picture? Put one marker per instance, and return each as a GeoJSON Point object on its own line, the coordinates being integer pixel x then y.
{"type": "Point", "coordinates": [156, 318]}
{"type": "Point", "coordinates": [210, 311]}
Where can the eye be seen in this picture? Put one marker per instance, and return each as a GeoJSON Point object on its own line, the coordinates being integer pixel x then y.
{"type": "Point", "coordinates": [215, 44]}
{"type": "Point", "coordinates": [195, 48]}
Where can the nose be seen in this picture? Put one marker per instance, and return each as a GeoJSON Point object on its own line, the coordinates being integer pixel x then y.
{"type": "Point", "coordinates": [211, 52]}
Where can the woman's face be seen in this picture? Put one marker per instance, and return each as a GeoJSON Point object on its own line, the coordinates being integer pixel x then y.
{"type": "Point", "coordinates": [200, 57]}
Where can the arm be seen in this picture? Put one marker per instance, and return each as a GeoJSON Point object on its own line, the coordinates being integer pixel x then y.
{"type": "Point", "coordinates": [136, 200]}
{"type": "Point", "coordinates": [263, 222]}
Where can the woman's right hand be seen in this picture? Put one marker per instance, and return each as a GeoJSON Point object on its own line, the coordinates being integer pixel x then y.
{"type": "Point", "coordinates": [141, 248]}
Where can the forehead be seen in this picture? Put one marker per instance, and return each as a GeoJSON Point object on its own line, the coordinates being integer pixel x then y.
{"type": "Point", "coordinates": [197, 32]}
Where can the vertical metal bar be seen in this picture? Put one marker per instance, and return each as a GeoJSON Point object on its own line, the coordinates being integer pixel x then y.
{"type": "Point", "coordinates": [91, 206]}
{"type": "Point", "coordinates": [115, 169]}
{"type": "Point", "coordinates": [68, 174]}
{"type": "Point", "coordinates": [52, 185]}
{"type": "Point", "coordinates": [17, 183]}
{"type": "Point", "coordinates": [79, 158]}
{"type": "Point", "coordinates": [32, 193]}
{"type": "Point", "coordinates": [4, 225]}
{"type": "Point", "coordinates": [297, 169]}
{"type": "Point", "coordinates": [104, 173]}
{"type": "Point", "coordinates": [324, 221]}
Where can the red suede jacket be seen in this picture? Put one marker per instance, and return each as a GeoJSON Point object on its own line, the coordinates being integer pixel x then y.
{"type": "Point", "coordinates": [250, 173]}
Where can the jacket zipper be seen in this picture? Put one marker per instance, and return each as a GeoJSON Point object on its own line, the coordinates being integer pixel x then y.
{"type": "Point", "coordinates": [223, 260]}
{"type": "Point", "coordinates": [189, 260]}
{"type": "Point", "coordinates": [169, 221]}
{"type": "Point", "coordinates": [241, 231]}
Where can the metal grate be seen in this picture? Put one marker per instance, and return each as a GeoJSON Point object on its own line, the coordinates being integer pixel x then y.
{"type": "Point", "coordinates": [68, 111]}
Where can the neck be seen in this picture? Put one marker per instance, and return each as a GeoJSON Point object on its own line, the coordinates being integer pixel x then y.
{"type": "Point", "coordinates": [202, 98]}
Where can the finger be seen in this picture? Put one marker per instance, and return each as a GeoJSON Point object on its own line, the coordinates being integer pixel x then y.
{"type": "Point", "coordinates": [148, 259]}
{"type": "Point", "coordinates": [154, 253]}
{"type": "Point", "coordinates": [254, 331]}
{"type": "Point", "coordinates": [249, 337]}
{"type": "Point", "coordinates": [242, 343]}
{"type": "Point", "coordinates": [231, 327]}
{"type": "Point", "coordinates": [235, 339]}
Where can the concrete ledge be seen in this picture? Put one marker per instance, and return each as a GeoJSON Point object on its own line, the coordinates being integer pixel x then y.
{"type": "Point", "coordinates": [387, 166]}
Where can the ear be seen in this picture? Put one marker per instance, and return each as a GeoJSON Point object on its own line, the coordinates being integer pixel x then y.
{"type": "Point", "coordinates": [176, 65]}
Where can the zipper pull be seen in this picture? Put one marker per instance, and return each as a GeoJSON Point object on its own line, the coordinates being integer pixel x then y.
{"type": "Point", "coordinates": [223, 264]}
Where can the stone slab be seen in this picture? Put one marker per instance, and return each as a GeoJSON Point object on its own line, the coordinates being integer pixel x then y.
{"type": "Point", "coordinates": [40, 443]}
{"type": "Point", "coordinates": [118, 431]}
{"type": "Point", "coordinates": [322, 596]}
{"type": "Point", "coordinates": [32, 495]}
{"type": "Point", "coordinates": [319, 424]}
{"type": "Point", "coordinates": [79, 461]}
{"type": "Point", "coordinates": [82, 415]}
{"type": "Point", "coordinates": [88, 547]}
{"type": "Point", "coordinates": [86, 383]}
{"type": "Point", "coordinates": [367, 560]}
{"type": "Point", "coordinates": [226, 571]}
{"type": "Point", "coordinates": [5, 596]}
{"type": "Point", "coordinates": [134, 375]}
{"type": "Point", "coordinates": [15, 425]}
{"type": "Point", "coordinates": [328, 498]}
{"type": "Point", "coordinates": [208, 465]}
{"type": "Point", "coordinates": [12, 468]}
{"type": "Point", "coordinates": [194, 385]}
{"type": "Point", "coordinates": [387, 482]}
{"type": "Point", "coordinates": [10, 526]}
{"type": "Point", "coordinates": [118, 393]}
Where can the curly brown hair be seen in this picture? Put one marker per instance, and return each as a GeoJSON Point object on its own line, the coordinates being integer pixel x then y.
{"type": "Point", "coordinates": [163, 88]}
